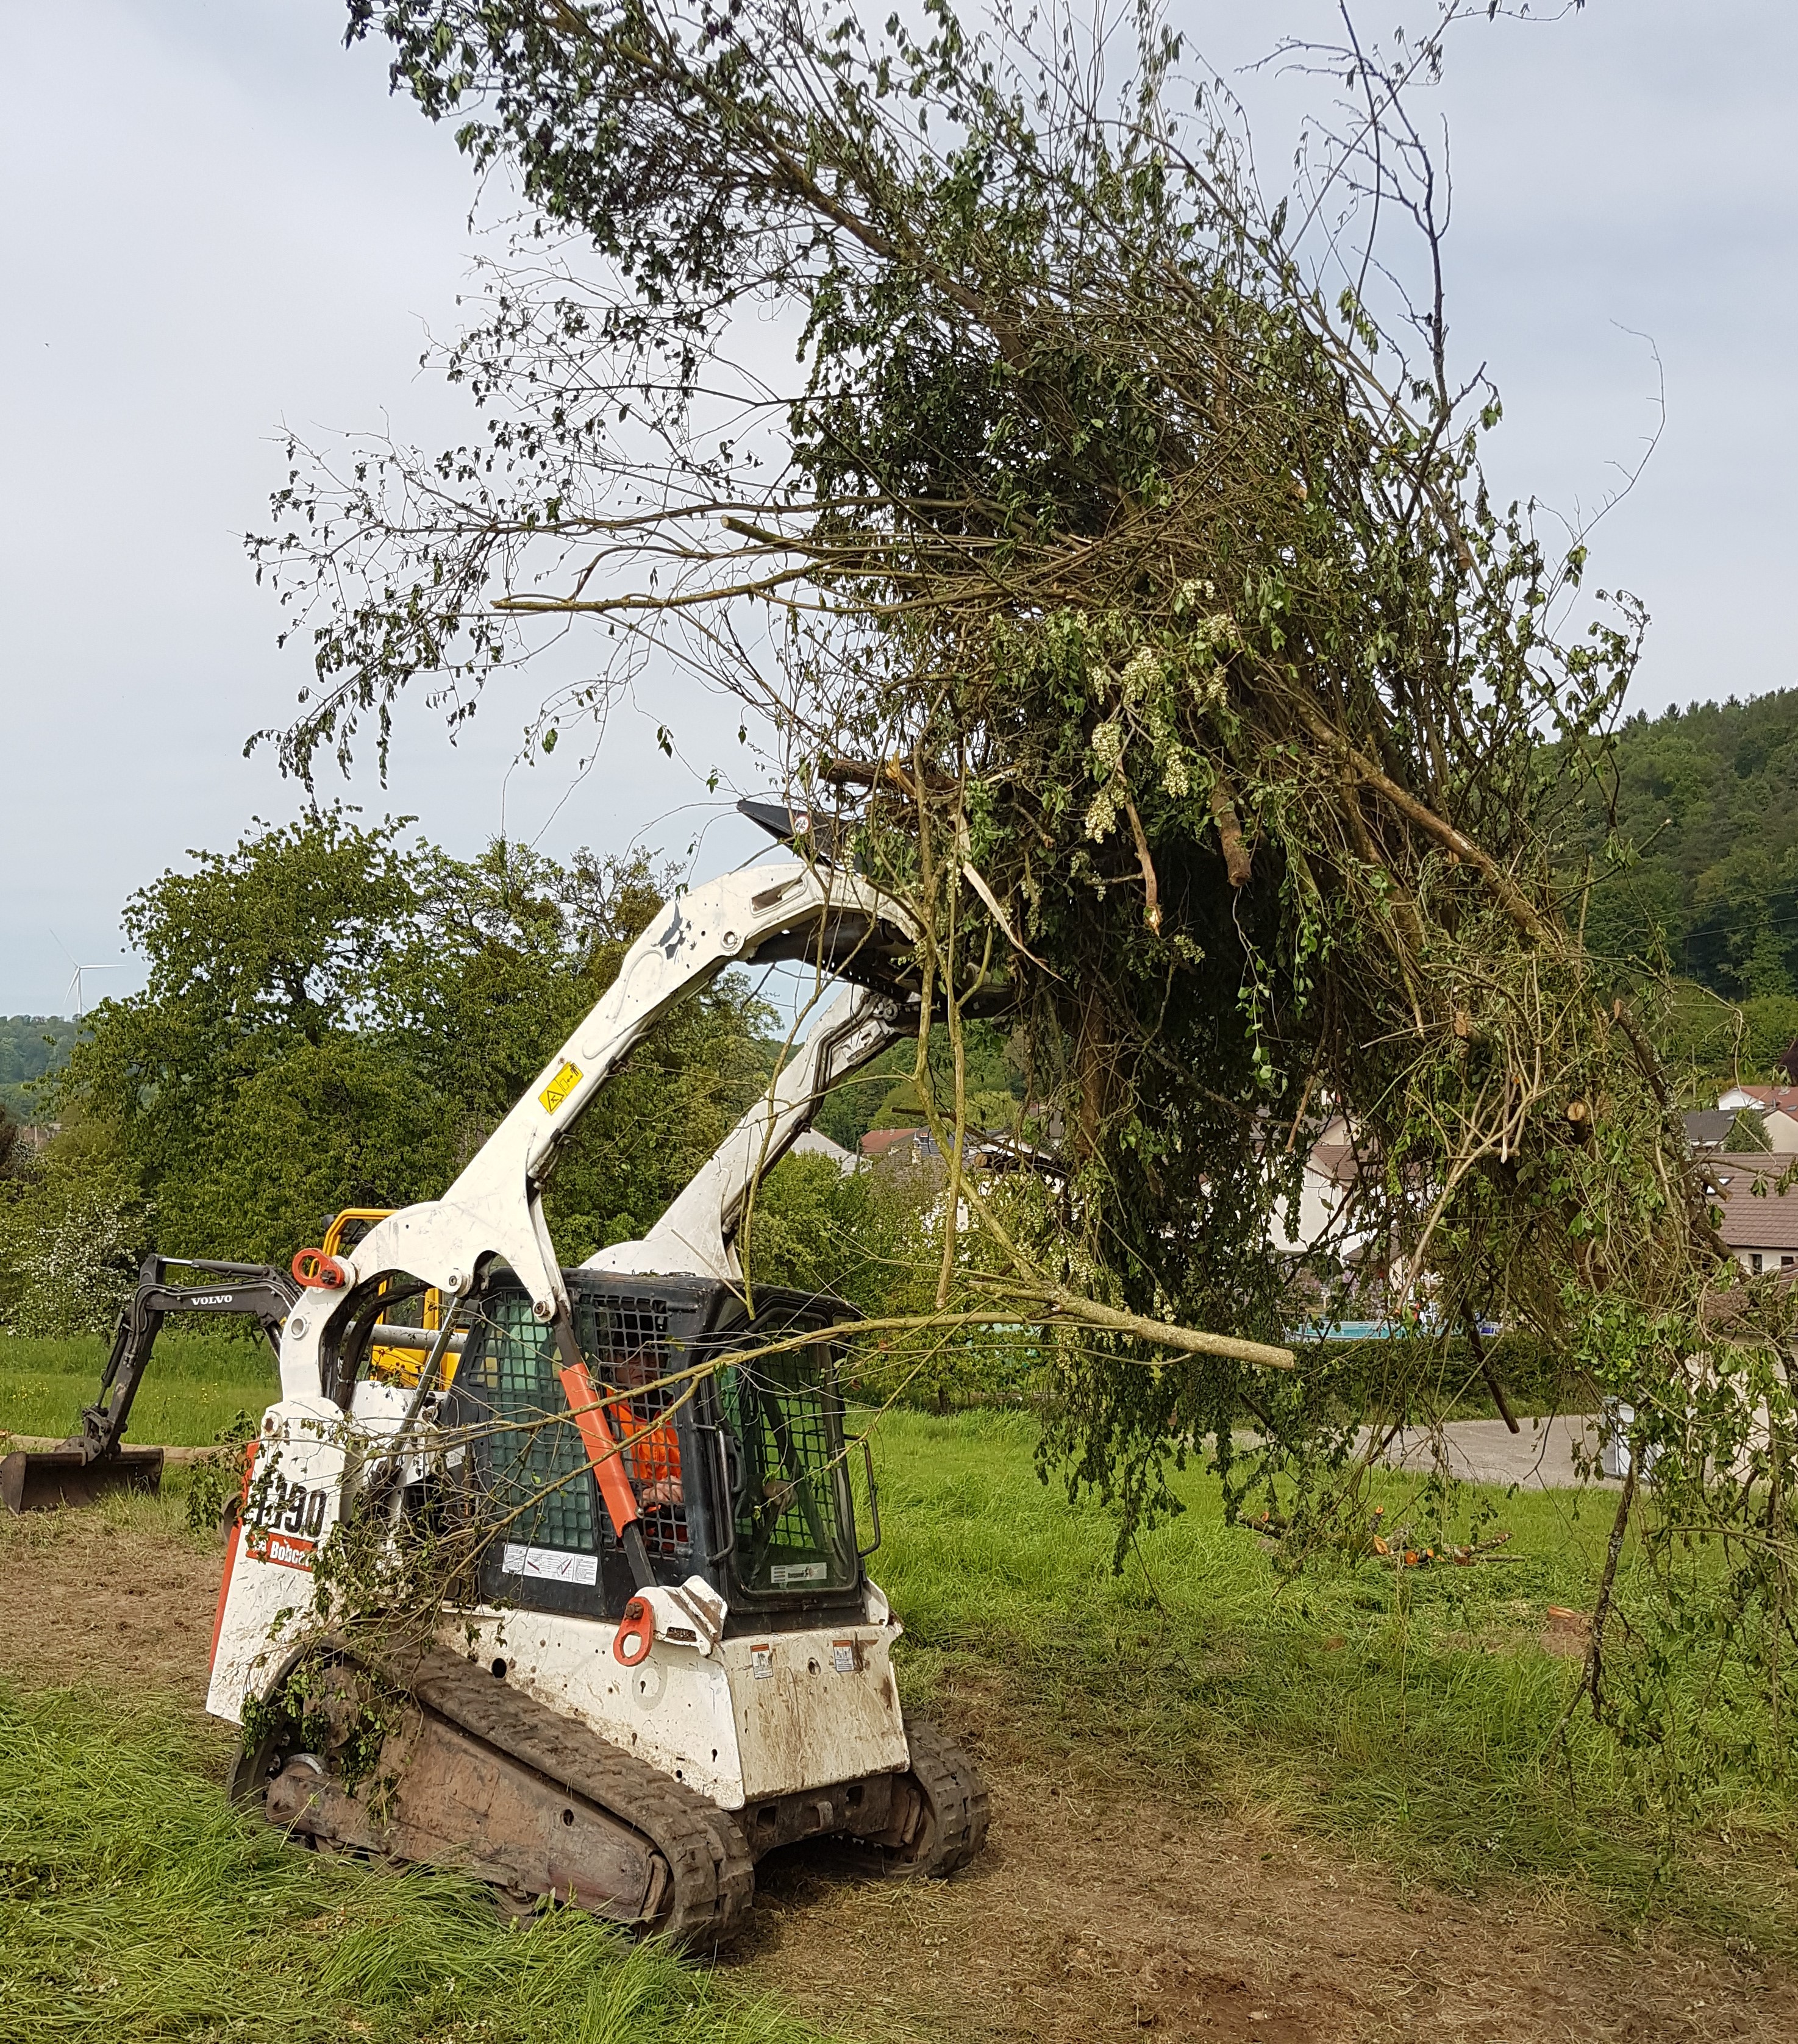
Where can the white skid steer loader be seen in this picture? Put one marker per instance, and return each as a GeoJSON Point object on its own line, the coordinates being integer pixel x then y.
{"type": "Point", "coordinates": [663, 1656]}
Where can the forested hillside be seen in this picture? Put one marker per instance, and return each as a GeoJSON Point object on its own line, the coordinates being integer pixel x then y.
{"type": "Point", "coordinates": [1695, 835]}
{"type": "Point", "coordinates": [30, 1046]}
{"type": "Point", "coordinates": [1707, 798]}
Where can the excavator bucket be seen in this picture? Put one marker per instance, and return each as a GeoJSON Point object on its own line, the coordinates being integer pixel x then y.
{"type": "Point", "coordinates": [96, 1462]}
{"type": "Point", "coordinates": [46, 1479]}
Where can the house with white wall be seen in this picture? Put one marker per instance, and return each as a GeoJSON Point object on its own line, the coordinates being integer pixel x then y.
{"type": "Point", "coordinates": [1777, 1106]}
{"type": "Point", "coordinates": [1760, 1223]}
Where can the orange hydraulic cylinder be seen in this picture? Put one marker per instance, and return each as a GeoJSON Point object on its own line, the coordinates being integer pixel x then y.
{"type": "Point", "coordinates": [602, 1449]}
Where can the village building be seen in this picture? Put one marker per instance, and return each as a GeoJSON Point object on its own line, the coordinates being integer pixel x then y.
{"type": "Point", "coordinates": [1760, 1221]}
{"type": "Point", "coordinates": [1777, 1106]}
{"type": "Point", "coordinates": [1708, 1130]}
{"type": "Point", "coordinates": [815, 1143]}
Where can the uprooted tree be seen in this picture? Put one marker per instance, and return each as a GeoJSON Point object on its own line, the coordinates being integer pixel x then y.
{"type": "Point", "coordinates": [1115, 567]}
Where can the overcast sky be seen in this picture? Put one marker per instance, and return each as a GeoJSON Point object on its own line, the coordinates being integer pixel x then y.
{"type": "Point", "coordinates": [213, 220]}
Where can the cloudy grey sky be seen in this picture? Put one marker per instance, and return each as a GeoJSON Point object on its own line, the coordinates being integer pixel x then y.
{"type": "Point", "coordinates": [213, 220]}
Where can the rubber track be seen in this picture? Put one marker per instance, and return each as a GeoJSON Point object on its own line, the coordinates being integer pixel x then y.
{"type": "Point", "coordinates": [957, 1793]}
{"type": "Point", "coordinates": [714, 1876]}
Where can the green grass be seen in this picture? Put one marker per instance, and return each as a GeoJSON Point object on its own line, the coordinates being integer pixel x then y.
{"type": "Point", "coordinates": [196, 1383]}
{"type": "Point", "coordinates": [135, 1902]}
{"type": "Point", "coordinates": [1408, 1716]}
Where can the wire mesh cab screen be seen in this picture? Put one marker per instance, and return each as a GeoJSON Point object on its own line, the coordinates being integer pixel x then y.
{"type": "Point", "coordinates": [549, 1543]}
{"type": "Point", "coordinates": [795, 1529]}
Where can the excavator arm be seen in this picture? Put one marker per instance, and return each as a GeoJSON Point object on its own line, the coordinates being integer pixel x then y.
{"type": "Point", "coordinates": [258, 1289]}
{"type": "Point", "coordinates": [96, 1460]}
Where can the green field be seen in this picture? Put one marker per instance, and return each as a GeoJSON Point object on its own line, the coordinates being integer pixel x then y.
{"type": "Point", "coordinates": [1408, 1716]}
{"type": "Point", "coordinates": [195, 1384]}
{"type": "Point", "coordinates": [135, 1902]}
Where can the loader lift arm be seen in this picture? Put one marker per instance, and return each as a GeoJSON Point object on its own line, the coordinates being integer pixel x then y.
{"type": "Point", "coordinates": [834, 921]}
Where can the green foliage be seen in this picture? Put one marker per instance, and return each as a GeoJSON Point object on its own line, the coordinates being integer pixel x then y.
{"type": "Point", "coordinates": [1747, 1132]}
{"type": "Point", "coordinates": [137, 1903]}
{"type": "Point", "coordinates": [32, 1047]}
{"type": "Point", "coordinates": [850, 1110]}
{"type": "Point", "coordinates": [885, 1094]}
{"type": "Point", "coordinates": [820, 1229]}
{"type": "Point", "coordinates": [1410, 1716]}
{"type": "Point", "coordinates": [216, 1479]}
{"type": "Point", "coordinates": [72, 1232]}
{"type": "Point", "coordinates": [1700, 804]}
{"type": "Point", "coordinates": [336, 1016]}
{"type": "Point", "coordinates": [1710, 1043]}
{"type": "Point", "coordinates": [874, 1237]}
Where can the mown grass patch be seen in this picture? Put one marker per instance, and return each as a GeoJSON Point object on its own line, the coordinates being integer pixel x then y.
{"type": "Point", "coordinates": [135, 1902]}
{"type": "Point", "coordinates": [1409, 1714]}
{"type": "Point", "coordinates": [196, 1383]}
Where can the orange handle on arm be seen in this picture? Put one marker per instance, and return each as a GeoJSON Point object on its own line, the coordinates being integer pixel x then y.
{"type": "Point", "coordinates": [603, 1452]}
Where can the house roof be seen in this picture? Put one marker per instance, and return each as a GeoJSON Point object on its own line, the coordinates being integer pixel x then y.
{"type": "Point", "coordinates": [1708, 1127]}
{"type": "Point", "coordinates": [1767, 1097]}
{"type": "Point", "coordinates": [1336, 1160]}
{"type": "Point", "coordinates": [1766, 1220]}
{"type": "Point", "coordinates": [814, 1143]}
{"type": "Point", "coordinates": [878, 1141]}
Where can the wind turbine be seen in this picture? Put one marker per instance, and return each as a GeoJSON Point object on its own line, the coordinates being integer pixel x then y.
{"type": "Point", "coordinates": [74, 986]}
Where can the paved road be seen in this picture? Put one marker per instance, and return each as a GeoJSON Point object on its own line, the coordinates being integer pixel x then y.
{"type": "Point", "coordinates": [1486, 1450]}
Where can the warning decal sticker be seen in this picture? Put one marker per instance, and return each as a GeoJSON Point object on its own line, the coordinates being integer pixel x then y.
{"type": "Point", "coordinates": [550, 1565]}
{"type": "Point", "coordinates": [559, 1088]}
{"type": "Point", "coordinates": [783, 1575]}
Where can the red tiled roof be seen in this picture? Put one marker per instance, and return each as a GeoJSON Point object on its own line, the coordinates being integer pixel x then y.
{"type": "Point", "coordinates": [878, 1141]}
{"type": "Point", "coordinates": [1752, 1220]}
{"type": "Point", "coordinates": [1785, 1097]}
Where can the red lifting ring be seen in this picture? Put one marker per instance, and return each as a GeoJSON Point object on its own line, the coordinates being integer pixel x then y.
{"type": "Point", "coordinates": [313, 1267]}
{"type": "Point", "coordinates": [636, 1634]}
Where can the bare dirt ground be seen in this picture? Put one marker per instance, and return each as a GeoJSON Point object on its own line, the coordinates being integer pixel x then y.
{"type": "Point", "coordinates": [1093, 1914]}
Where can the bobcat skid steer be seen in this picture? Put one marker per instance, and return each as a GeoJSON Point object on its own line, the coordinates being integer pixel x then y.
{"type": "Point", "coordinates": [665, 1657]}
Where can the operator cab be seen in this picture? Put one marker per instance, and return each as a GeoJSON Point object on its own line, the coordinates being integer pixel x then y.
{"type": "Point", "coordinates": [739, 1471]}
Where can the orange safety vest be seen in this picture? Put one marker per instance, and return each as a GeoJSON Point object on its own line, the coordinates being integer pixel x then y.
{"type": "Point", "coordinates": [652, 1451]}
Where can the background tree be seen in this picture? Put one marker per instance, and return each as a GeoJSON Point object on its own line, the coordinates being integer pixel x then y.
{"type": "Point", "coordinates": [31, 1046]}
{"type": "Point", "coordinates": [336, 1016]}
